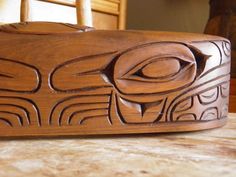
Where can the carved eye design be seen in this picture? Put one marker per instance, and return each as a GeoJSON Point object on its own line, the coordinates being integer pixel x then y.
{"type": "Point", "coordinates": [156, 68]}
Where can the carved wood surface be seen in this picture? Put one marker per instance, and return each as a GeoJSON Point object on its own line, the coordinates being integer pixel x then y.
{"type": "Point", "coordinates": [222, 21]}
{"type": "Point", "coordinates": [60, 79]}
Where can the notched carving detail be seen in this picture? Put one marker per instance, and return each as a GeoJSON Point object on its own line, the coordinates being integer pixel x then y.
{"type": "Point", "coordinates": [134, 76]}
{"type": "Point", "coordinates": [133, 113]}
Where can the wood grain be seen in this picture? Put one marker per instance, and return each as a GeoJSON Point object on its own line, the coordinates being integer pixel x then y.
{"type": "Point", "coordinates": [84, 13]}
{"type": "Point", "coordinates": [70, 3]}
{"type": "Point", "coordinates": [105, 21]}
{"type": "Point", "coordinates": [107, 6]}
{"type": "Point", "coordinates": [25, 11]}
{"type": "Point", "coordinates": [57, 81]}
{"type": "Point", "coordinates": [122, 15]}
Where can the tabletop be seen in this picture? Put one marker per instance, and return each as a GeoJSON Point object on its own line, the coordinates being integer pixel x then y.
{"type": "Point", "coordinates": [204, 153]}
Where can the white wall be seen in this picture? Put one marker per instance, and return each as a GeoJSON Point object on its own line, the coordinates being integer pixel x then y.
{"type": "Point", "coordinates": [9, 11]}
{"type": "Point", "coordinates": [40, 11]}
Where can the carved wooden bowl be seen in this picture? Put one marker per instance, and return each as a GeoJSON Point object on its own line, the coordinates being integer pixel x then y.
{"type": "Point", "coordinates": [62, 79]}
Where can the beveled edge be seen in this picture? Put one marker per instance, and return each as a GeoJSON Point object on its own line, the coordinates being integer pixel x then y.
{"type": "Point", "coordinates": [118, 130]}
{"type": "Point", "coordinates": [48, 28]}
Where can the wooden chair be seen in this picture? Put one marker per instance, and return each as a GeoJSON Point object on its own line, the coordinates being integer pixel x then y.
{"type": "Point", "coordinates": [83, 8]}
{"type": "Point", "coordinates": [108, 14]}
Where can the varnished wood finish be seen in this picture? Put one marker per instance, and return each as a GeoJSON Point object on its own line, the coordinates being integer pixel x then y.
{"type": "Point", "coordinates": [84, 13]}
{"type": "Point", "coordinates": [105, 21]}
{"type": "Point", "coordinates": [122, 16]}
{"type": "Point", "coordinates": [70, 3]}
{"type": "Point", "coordinates": [61, 79]}
{"type": "Point", "coordinates": [25, 11]}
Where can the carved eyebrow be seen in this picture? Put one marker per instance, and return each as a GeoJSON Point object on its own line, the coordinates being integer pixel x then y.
{"type": "Point", "coordinates": [16, 76]}
{"type": "Point", "coordinates": [79, 70]}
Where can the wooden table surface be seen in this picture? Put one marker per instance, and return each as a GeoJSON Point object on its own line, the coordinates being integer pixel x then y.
{"type": "Point", "coordinates": [205, 153]}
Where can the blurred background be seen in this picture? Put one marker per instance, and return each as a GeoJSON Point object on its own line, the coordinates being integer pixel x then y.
{"type": "Point", "coordinates": [170, 15]}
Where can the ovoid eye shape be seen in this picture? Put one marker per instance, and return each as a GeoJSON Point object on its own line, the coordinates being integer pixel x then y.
{"type": "Point", "coordinates": [160, 68]}
{"type": "Point", "coordinates": [156, 68]}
